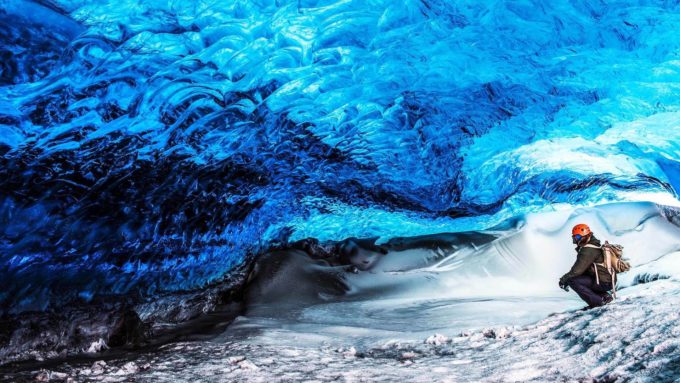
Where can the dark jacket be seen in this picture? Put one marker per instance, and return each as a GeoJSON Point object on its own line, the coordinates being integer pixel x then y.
{"type": "Point", "coordinates": [584, 263]}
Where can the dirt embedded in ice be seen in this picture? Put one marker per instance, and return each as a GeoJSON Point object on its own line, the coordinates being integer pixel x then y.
{"type": "Point", "coordinates": [635, 338]}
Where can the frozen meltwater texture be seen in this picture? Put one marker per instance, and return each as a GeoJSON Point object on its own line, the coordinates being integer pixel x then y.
{"type": "Point", "coordinates": [152, 146]}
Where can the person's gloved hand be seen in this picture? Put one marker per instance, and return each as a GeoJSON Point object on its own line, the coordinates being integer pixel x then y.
{"type": "Point", "coordinates": [563, 285]}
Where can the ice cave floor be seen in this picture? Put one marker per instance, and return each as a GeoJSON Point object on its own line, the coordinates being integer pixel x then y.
{"type": "Point", "coordinates": [634, 339]}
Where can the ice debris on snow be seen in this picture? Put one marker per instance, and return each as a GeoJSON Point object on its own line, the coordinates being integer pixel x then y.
{"type": "Point", "coordinates": [128, 368]}
{"type": "Point", "coordinates": [42, 376]}
{"type": "Point", "coordinates": [242, 362]}
{"type": "Point", "coordinates": [247, 365]}
{"type": "Point", "coordinates": [98, 367]}
{"type": "Point", "coordinates": [409, 355]}
{"type": "Point", "coordinates": [97, 346]}
{"type": "Point", "coordinates": [350, 352]}
{"type": "Point", "coordinates": [437, 339]}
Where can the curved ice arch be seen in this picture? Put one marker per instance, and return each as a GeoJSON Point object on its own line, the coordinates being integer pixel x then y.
{"type": "Point", "coordinates": [323, 119]}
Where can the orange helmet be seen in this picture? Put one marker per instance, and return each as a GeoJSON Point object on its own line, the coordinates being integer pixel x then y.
{"type": "Point", "coordinates": [581, 229]}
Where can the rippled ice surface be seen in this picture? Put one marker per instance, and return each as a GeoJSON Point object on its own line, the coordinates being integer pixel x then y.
{"type": "Point", "coordinates": [147, 147]}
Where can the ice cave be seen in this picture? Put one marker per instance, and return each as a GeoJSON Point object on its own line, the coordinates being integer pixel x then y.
{"type": "Point", "coordinates": [339, 190]}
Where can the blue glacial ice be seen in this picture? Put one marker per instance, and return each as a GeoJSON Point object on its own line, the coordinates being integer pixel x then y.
{"type": "Point", "coordinates": [155, 146]}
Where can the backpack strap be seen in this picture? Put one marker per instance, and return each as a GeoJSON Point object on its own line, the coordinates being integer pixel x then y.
{"type": "Point", "coordinates": [606, 264]}
{"type": "Point", "coordinates": [597, 276]}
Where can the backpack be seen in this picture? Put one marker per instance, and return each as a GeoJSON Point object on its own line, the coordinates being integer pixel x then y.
{"type": "Point", "coordinates": [614, 262]}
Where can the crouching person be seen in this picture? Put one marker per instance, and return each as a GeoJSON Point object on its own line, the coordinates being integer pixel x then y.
{"type": "Point", "coordinates": [588, 277]}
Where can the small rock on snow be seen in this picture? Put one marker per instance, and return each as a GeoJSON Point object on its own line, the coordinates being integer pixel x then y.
{"type": "Point", "coordinates": [351, 352]}
{"type": "Point", "coordinates": [98, 367]}
{"type": "Point", "coordinates": [247, 365]}
{"type": "Point", "coordinates": [128, 368]}
{"type": "Point", "coordinates": [97, 346]}
{"type": "Point", "coordinates": [437, 339]}
{"type": "Point", "coordinates": [489, 333]}
{"type": "Point", "coordinates": [42, 376]}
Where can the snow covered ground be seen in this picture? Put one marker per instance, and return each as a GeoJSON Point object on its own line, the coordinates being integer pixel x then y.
{"type": "Point", "coordinates": [635, 339]}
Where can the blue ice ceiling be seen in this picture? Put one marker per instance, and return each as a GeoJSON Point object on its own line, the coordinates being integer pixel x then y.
{"type": "Point", "coordinates": [151, 146]}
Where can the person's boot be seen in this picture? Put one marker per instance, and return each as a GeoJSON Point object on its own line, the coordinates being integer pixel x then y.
{"type": "Point", "coordinates": [606, 299]}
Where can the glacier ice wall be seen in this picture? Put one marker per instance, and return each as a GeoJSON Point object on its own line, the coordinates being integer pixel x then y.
{"type": "Point", "coordinates": [152, 146]}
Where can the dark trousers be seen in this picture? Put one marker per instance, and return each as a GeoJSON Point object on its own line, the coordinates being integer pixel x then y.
{"type": "Point", "coordinates": [586, 288]}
